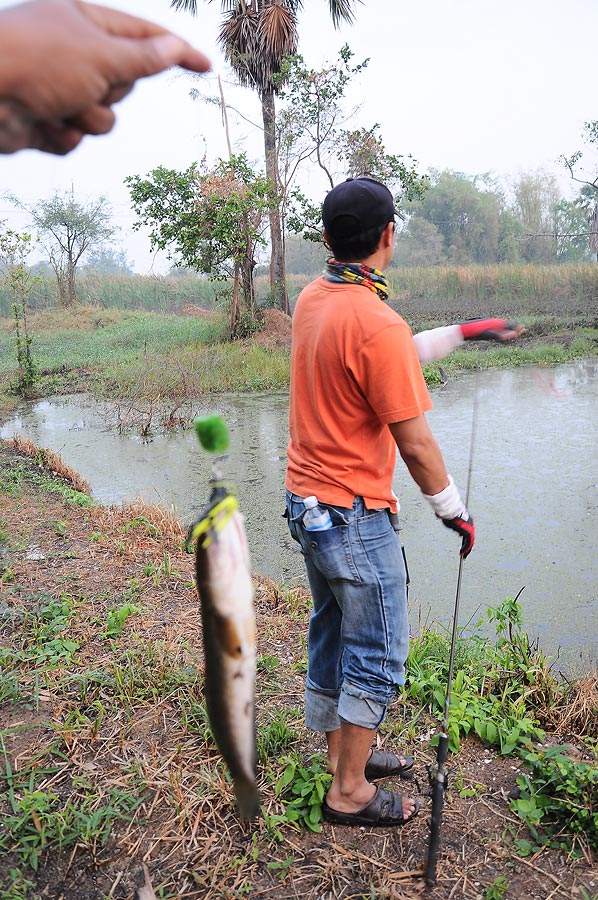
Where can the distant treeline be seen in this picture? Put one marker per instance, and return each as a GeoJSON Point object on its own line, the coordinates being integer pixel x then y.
{"type": "Point", "coordinates": [420, 294]}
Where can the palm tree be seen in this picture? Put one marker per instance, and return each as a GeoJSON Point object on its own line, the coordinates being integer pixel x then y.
{"type": "Point", "coordinates": [256, 35]}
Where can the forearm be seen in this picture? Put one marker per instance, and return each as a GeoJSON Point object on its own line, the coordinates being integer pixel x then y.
{"type": "Point", "coordinates": [421, 454]}
{"type": "Point", "coordinates": [437, 342]}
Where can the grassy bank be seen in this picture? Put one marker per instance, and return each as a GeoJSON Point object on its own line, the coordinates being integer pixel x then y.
{"type": "Point", "coordinates": [138, 355]}
{"type": "Point", "coordinates": [174, 358]}
{"type": "Point", "coordinates": [109, 775]}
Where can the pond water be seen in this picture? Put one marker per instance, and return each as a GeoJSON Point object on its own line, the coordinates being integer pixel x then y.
{"type": "Point", "coordinates": [534, 491]}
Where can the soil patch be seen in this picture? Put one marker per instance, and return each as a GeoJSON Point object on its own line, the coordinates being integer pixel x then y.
{"type": "Point", "coordinates": [276, 331]}
{"type": "Point", "coordinates": [121, 724]}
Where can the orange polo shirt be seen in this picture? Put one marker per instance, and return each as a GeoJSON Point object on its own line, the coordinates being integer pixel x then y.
{"type": "Point", "coordinates": [354, 370]}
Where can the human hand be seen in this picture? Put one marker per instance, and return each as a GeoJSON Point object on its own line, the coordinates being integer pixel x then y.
{"type": "Point", "coordinates": [463, 525]}
{"type": "Point", "coordinates": [449, 507]}
{"type": "Point", "coordinates": [490, 330]}
{"type": "Point", "coordinates": [64, 63]}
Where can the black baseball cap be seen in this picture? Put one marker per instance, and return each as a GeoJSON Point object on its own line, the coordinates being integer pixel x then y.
{"type": "Point", "coordinates": [357, 206]}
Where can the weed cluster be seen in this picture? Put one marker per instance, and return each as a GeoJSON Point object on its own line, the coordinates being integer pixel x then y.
{"type": "Point", "coordinates": [302, 790]}
{"type": "Point", "coordinates": [500, 689]}
{"type": "Point", "coordinates": [558, 800]}
{"type": "Point", "coordinates": [503, 692]}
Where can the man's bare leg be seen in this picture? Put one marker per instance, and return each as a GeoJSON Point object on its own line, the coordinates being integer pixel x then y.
{"type": "Point", "coordinates": [333, 741]}
{"type": "Point", "coordinates": [350, 790]}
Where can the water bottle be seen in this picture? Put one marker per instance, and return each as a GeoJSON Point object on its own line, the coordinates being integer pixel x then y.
{"type": "Point", "coordinates": [315, 518]}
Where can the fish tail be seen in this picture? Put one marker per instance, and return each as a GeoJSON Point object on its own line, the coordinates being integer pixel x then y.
{"type": "Point", "coordinates": [248, 798]}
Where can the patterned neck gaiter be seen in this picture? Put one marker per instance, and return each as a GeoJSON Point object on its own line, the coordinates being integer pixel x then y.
{"type": "Point", "coordinates": [356, 273]}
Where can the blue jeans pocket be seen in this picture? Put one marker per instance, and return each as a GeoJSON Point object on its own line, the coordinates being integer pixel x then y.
{"type": "Point", "coordinates": [329, 550]}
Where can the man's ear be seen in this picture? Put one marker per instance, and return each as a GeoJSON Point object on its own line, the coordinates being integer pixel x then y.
{"type": "Point", "coordinates": [388, 235]}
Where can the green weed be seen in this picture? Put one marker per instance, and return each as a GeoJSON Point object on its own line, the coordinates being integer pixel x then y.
{"type": "Point", "coordinates": [59, 528]}
{"type": "Point", "coordinates": [497, 890]}
{"type": "Point", "coordinates": [144, 523]}
{"type": "Point", "coordinates": [45, 637]}
{"type": "Point", "coordinates": [302, 790]}
{"type": "Point", "coordinates": [117, 617]}
{"type": "Point", "coordinates": [558, 800]}
{"type": "Point", "coordinates": [267, 663]}
{"type": "Point", "coordinates": [40, 821]}
{"type": "Point", "coordinates": [194, 717]}
{"type": "Point", "coordinates": [499, 688]}
{"type": "Point", "coordinates": [16, 887]}
{"type": "Point", "coordinates": [13, 479]}
{"type": "Point", "coordinates": [8, 575]}
{"type": "Point", "coordinates": [281, 866]}
{"type": "Point", "coordinates": [277, 736]}
{"type": "Point", "coordinates": [146, 671]}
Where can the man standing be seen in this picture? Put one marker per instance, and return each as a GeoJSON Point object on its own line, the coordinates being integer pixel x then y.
{"type": "Point", "coordinates": [358, 394]}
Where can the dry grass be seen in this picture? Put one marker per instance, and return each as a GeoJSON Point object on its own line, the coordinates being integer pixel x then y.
{"type": "Point", "coordinates": [578, 714]}
{"type": "Point", "coordinates": [124, 719]}
{"type": "Point", "coordinates": [50, 461]}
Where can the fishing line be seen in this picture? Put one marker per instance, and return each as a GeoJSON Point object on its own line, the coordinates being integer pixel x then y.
{"type": "Point", "coordinates": [439, 775]}
{"type": "Point", "coordinates": [461, 560]}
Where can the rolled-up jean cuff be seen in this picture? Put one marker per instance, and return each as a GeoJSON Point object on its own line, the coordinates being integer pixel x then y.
{"type": "Point", "coordinates": [321, 710]}
{"type": "Point", "coordinates": [356, 709]}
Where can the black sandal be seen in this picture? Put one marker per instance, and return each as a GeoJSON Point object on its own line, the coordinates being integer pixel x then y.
{"type": "Point", "coordinates": [384, 809]}
{"type": "Point", "coordinates": [384, 764]}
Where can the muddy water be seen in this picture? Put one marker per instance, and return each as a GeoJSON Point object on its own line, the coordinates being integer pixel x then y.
{"type": "Point", "coordinates": [534, 490]}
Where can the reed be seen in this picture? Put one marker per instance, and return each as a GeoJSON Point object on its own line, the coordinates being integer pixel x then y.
{"type": "Point", "coordinates": [439, 293]}
{"type": "Point", "coordinates": [569, 292]}
{"type": "Point", "coordinates": [152, 293]}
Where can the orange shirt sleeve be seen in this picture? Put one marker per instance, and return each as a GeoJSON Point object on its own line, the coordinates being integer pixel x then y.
{"type": "Point", "coordinates": [389, 373]}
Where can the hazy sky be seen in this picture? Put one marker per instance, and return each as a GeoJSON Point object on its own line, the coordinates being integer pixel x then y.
{"type": "Point", "coordinates": [473, 85]}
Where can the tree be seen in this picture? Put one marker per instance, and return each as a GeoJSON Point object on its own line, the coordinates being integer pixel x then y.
{"type": "Point", "coordinates": [107, 261]}
{"type": "Point", "coordinates": [467, 217]}
{"type": "Point", "coordinates": [256, 36]}
{"type": "Point", "coordinates": [14, 250]}
{"type": "Point", "coordinates": [537, 197]}
{"type": "Point", "coordinates": [589, 191]}
{"type": "Point", "coordinates": [420, 243]}
{"type": "Point", "coordinates": [312, 128]}
{"type": "Point", "coordinates": [69, 228]}
{"type": "Point", "coordinates": [574, 165]}
{"type": "Point", "coordinates": [304, 257]}
{"type": "Point", "coordinates": [211, 220]}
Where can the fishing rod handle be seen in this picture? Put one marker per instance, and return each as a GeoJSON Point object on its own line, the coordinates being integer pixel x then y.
{"type": "Point", "coordinates": [438, 791]}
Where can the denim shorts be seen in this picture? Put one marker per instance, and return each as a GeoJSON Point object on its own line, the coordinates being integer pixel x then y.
{"type": "Point", "coordinates": [358, 630]}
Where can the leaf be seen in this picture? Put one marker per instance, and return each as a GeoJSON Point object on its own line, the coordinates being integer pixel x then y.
{"type": "Point", "coordinates": [285, 779]}
{"type": "Point", "coordinates": [480, 728]}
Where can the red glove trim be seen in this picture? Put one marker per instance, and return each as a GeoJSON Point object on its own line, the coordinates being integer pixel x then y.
{"type": "Point", "coordinates": [483, 329]}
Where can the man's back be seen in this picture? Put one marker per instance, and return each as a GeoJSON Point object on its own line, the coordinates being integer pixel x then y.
{"type": "Point", "coordinates": [353, 370]}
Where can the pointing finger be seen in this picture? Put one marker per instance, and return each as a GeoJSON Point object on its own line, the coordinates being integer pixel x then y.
{"type": "Point", "coordinates": [133, 59]}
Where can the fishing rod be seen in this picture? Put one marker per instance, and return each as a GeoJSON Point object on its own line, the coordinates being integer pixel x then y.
{"type": "Point", "coordinates": [438, 773]}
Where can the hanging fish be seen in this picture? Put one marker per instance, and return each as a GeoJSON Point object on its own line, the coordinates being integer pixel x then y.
{"type": "Point", "coordinates": [225, 588]}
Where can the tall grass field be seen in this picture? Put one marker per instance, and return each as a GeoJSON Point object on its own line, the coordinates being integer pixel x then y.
{"type": "Point", "coordinates": [436, 293]}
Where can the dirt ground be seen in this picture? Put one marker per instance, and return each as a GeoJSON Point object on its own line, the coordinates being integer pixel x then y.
{"type": "Point", "coordinates": [184, 838]}
{"type": "Point", "coordinates": [276, 331]}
